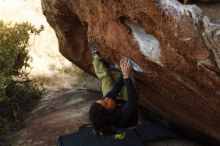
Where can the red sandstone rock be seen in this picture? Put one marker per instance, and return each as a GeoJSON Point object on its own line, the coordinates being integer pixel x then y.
{"type": "Point", "coordinates": [177, 65]}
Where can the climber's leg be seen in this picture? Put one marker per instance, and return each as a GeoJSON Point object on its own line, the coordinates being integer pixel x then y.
{"type": "Point", "coordinates": [102, 72]}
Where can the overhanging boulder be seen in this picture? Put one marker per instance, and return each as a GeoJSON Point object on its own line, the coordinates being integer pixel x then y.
{"type": "Point", "coordinates": [175, 49]}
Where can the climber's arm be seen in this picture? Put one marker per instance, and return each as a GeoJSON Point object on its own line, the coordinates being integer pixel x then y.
{"type": "Point", "coordinates": [128, 113]}
{"type": "Point", "coordinates": [116, 89]}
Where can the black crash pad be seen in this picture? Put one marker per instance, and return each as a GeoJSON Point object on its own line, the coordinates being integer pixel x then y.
{"type": "Point", "coordinates": [86, 137]}
{"type": "Point", "coordinates": [133, 137]}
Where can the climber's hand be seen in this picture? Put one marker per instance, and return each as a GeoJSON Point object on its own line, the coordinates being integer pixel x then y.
{"type": "Point", "coordinates": [125, 67]}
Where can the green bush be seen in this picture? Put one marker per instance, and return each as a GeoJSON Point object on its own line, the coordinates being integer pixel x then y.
{"type": "Point", "coordinates": [14, 82]}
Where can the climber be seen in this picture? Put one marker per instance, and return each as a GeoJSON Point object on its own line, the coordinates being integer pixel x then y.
{"type": "Point", "coordinates": [110, 112]}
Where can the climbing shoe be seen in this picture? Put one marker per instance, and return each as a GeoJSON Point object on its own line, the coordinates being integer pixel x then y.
{"type": "Point", "coordinates": [95, 52]}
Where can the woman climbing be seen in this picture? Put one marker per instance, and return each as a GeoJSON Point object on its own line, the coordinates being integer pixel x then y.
{"type": "Point", "coordinates": [111, 112]}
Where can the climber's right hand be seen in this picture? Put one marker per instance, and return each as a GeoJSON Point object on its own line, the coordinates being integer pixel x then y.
{"type": "Point", "coordinates": [125, 67]}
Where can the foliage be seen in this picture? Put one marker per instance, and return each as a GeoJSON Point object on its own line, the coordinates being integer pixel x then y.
{"type": "Point", "coordinates": [13, 51]}
{"type": "Point", "coordinates": [14, 58]}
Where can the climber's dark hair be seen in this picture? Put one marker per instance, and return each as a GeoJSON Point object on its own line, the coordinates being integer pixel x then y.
{"type": "Point", "coordinates": [102, 119]}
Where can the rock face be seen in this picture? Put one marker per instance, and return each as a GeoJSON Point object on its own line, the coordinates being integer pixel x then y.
{"type": "Point", "coordinates": [175, 50]}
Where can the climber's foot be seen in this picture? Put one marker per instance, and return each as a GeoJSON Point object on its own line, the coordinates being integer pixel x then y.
{"type": "Point", "coordinates": [95, 52]}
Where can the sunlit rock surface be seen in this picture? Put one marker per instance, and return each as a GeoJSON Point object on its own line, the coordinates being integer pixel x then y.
{"type": "Point", "coordinates": [180, 75]}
